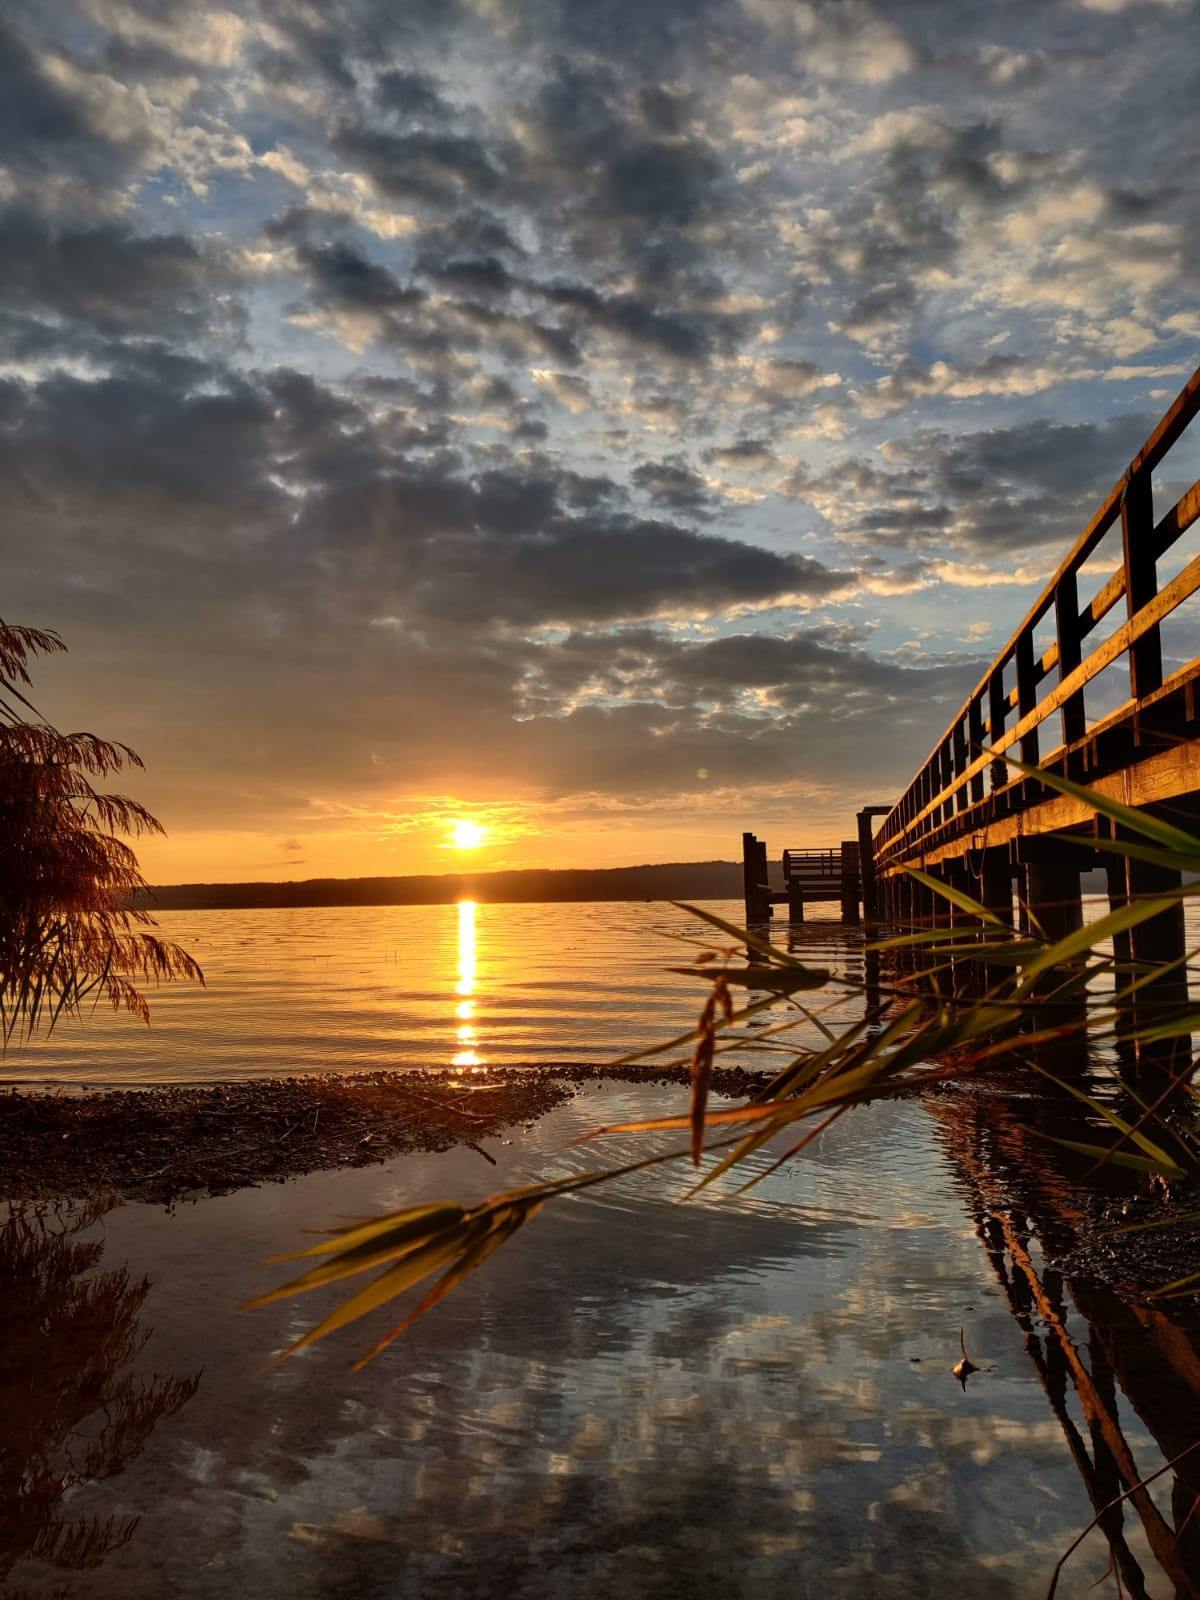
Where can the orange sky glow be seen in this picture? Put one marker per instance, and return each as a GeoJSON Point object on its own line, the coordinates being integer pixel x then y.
{"type": "Point", "coordinates": [514, 835]}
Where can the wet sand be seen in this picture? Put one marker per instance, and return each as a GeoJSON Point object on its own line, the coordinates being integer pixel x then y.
{"type": "Point", "coordinates": [156, 1144]}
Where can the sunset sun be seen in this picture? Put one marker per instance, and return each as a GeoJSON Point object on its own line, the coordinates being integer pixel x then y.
{"type": "Point", "coordinates": [466, 835]}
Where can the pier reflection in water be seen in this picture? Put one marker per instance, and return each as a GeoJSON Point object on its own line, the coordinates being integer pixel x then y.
{"type": "Point", "coordinates": [1098, 1355]}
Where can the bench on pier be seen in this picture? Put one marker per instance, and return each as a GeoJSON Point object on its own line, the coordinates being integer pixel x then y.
{"type": "Point", "coordinates": [809, 876]}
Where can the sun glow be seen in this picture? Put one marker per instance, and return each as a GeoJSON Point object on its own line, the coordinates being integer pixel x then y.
{"type": "Point", "coordinates": [467, 835]}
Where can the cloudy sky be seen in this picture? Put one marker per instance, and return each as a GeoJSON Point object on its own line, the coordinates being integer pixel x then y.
{"type": "Point", "coordinates": [621, 422]}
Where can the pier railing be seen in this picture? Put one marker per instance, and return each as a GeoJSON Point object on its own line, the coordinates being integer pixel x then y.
{"type": "Point", "coordinates": [1032, 703]}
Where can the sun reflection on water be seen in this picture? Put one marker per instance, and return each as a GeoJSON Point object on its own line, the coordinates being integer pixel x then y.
{"type": "Point", "coordinates": [464, 1011]}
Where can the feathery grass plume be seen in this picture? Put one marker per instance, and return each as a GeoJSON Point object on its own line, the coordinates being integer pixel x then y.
{"type": "Point", "coordinates": [67, 931]}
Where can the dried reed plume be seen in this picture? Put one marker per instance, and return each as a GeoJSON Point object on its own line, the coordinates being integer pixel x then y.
{"type": "Point", "coordinates": [68, 932]}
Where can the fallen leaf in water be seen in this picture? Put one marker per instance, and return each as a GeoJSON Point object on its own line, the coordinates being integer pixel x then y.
{"type": "Point", "coordinates": [964, 1368]}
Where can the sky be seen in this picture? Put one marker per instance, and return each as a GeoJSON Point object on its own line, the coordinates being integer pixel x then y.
{"type": "Point", "coordinates": [614, 424]}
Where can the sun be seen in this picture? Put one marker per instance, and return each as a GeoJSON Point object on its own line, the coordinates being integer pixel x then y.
{"type": "Point", "coordinates": [465, 835]}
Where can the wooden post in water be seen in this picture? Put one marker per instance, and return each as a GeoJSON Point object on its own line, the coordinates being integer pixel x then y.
{"type": "Point", "coordinates": [1159, 943]}
{"type": "Point", "coordinates": [754, 877]}
{"type": "Point", "coordinates": [922, 907]}
{"type": "Point", "coordinates": [866, 866]}
{"type": "Point", "coordinates": [871, 906]}
{"type": "Point", "coordinates": [1052, 886]}
{"type": "Point", "coordinates": [795, 891]}
{"type": "Point", "coordinates": [1118, 896]}
{"type": "Point", "coordinates": [851, 888]}
{"type": "Point", "coordinates": [1055, 901]}
{"type": "Point", "coordinates": [994, 889]}
{"type": "Point", "coordinates": [995, 892]}
{"type": "Point", "coordinates": [967, 975]}
{"type": "Point", "coordinates": [883, 897]}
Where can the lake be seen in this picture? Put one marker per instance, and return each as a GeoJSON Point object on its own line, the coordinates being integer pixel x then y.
{"type": "Point", "coordinates": [745, 1395]}
{"type": "Point", "coordinates": [353, 989]}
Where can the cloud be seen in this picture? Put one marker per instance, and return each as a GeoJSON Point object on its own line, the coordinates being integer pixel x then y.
{"type": "Point", "coordinates": [840, 39]}
{"type": "Point", "coordinates": [564, 396]}
{"type": "Point", "coordinates": [637, 322]}
{"type": "Point", "coordinates": [114, 280]}
{"type": "Point", "coordinates": [673, 485]}
{"type": "Point", "coordinates": [997, 489]}
{"type": "Point", "coordinates": [743, 455]}
{"type": "Point", "coordinates": [47, 127]}
{"type": "Point", "coordinates": [566, 388]}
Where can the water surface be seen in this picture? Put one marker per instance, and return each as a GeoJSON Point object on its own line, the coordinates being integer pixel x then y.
{"type": "Point", "coordinates": [747, 1395]}
{"type": "Point", "coordinates": [738, 1398]}
{"type": "Point", "coordinates": [351, 988]}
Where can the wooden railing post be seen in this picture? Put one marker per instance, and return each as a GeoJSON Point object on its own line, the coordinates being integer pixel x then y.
{"type": "Point", "coordinates": [795, 890]}
{"type": "Point", "coordinates": [851, 882]}
{"type": "Point", "coordinates": [962, 798]}
{"type": "Point", "coordinates": [947, 778]}
{"type": "Point", "coordinates": [1141, 581]}
{"type": "Point", "coordinates": [1066, 622]}
{"type": "Point", "coordinates": [996, 712]}
{"type": "Point", "coordinates": [975, 735]}
{"type": "Point", "coordinates": [1027, 695]}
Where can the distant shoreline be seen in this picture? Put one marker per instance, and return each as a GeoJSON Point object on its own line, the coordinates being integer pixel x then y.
{"type": "Point", "coordinates": [686, 880]}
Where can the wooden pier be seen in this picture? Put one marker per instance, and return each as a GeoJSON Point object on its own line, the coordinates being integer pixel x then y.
{"type": "Point", "coordinates": [970, 818]}
{"type": "Point", "coordinates": [1082, 690]}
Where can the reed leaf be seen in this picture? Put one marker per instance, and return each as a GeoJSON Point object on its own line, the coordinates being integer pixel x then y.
{"type": "Point", "coordinates": [1156, 1153]}
{"type": "Point", "coordinates": [1179, 1286]}
{"type": "Point", "coordinates": [502, 1227]}
{"type": "Point", "coordinates": [1082, 940]}
{"type": "Point", "coordinates": [774, 955]}
{"type": "Point", "coordinates": [1105, 1156]}
{"type": "Point", "coordinates": [416, 1222]}
{"type": "Point", "coordinates": [409, 1271]}
{"type": "Point", "coordinates": [778, 980]}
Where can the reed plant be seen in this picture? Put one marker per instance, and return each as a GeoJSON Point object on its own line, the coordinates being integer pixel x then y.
{"type": "Point", "coordinates": [961, 998]}
{"type": "Point", "coordinates": [68, 931]}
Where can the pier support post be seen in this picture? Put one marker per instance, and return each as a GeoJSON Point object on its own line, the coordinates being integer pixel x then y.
{"type": "Point", "coordinates": [994, 889]}
{"type": "Point", "coordinates": [866, 866]}
{"type": "Point", "coordinates": [967, 972]}
{"type": "Point", "coordinates": [886, 896]}
{"type": "Point", "coordinates": [1055, 900]}
{"type": "Point", "coordinates": [995, 893]}
{"type": "Point", "coordinates": [922, 907]}
{"type": "Point", "coordinates": [795, 894]}
{"type": "Point", "coordinates": [1052, 890]}
{"type": "Point", "coordinates": [1159, 943]}
{"type": "Point", "coordinates": [1118, 896]}
{"type": "Point", "coordinates": [871, 901]}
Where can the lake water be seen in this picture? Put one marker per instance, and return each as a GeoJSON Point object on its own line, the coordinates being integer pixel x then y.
{"type": "Point", "coordinates": [744, 1395]}
{"type": "Point", "coordinates": [359, 988]}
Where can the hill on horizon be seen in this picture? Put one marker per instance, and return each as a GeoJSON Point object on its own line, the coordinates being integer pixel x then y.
{"type": "Point", "coordinates": [677, 880]}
